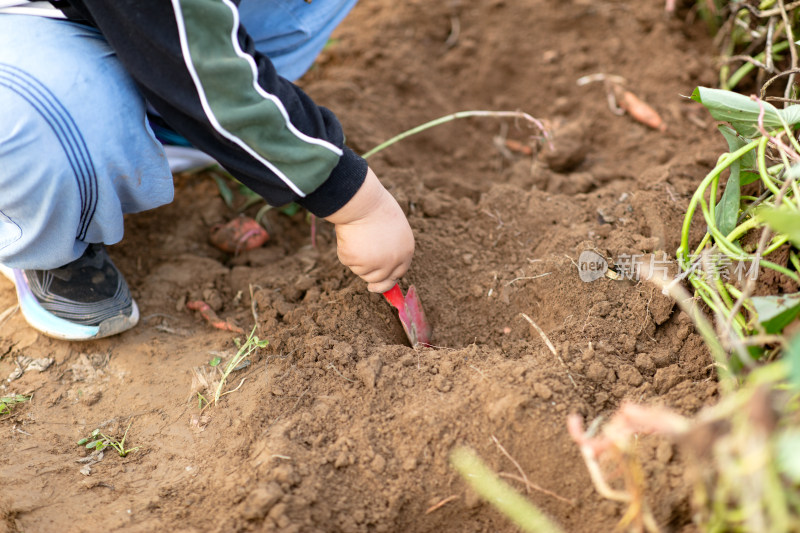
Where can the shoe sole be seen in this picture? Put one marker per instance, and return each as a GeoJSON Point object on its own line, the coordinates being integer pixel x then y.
{"type": "Point", "coordinates": [42, 320]}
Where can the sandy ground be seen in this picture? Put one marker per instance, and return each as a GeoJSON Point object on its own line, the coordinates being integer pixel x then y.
{"type": "Point", "coordinates": [338, 424]}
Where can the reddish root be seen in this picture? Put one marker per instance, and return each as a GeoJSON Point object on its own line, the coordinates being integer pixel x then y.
{"type": "Point", "coordinates": [211, 317]}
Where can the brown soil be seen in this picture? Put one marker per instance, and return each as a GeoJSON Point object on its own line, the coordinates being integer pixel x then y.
{"type": "Point", "coordinates": [339, 425]}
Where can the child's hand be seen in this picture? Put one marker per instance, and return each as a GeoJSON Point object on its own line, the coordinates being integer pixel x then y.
{"type": "Point", "coordinates": [373, 236]}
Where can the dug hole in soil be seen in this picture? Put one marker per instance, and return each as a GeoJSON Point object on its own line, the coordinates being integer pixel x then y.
{"type": "Point", "coordinates": [339, 425]}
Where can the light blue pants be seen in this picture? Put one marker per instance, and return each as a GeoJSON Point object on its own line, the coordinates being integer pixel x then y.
{"type": "Point", "coordinates": [76, 151]}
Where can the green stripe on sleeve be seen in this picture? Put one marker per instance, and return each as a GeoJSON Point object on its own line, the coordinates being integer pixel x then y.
{"type": "Point", "coordinates": [248, 117]}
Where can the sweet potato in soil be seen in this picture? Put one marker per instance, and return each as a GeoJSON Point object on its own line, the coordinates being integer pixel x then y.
{"type": "Point", "coordinates": [240, 234]}
{"type": "Point", "coordinates": [339, 425]}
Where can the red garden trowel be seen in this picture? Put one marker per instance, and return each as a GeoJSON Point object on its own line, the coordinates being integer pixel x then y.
{"type": "Point", "coordinates": [411, 315]}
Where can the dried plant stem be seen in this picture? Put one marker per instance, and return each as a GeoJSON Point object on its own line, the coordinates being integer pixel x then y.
{"type": "Point", "coordinates": [792, 48]}
{"type": "Point", "coordinates": [489, 486]}
{"type": "Point", "coordinates": [441, 504]}
{"type": "Point", "coordinates": [516, 464]}
{"type": "Point", "coordinates": [536, 487]}
{"type": "Point", "coordinates": [549, 346]}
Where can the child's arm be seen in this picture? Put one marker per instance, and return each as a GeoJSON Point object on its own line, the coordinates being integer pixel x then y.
{"type": "Point", "coordinates": [373, 236]}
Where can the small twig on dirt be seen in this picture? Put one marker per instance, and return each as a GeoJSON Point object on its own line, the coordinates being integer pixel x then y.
{"type": "Point", "coordinates": [621, 100]}
{"type": "Point", "coordinates": [455, 31]}
{"type": "Point", "coordinates": [571, 260]}
{"type": "Point", "coordinates": [769, 12]}
{"type": "Point", "coordinates": [527, 277]}
{"type": "Point", "coordinates": [516, 464]}
{"type": "Point", "coordinates": [671, 194]}
{"type": "Point", "coordinates": [768, 50]}
{"type": "Point", "coordinates": [748, 59]}
{"type": "Point", "coordinates": [233, 390]}
{"type": "Point", "coordinates": [479, 371]}
{"type": "Point", "coordinates": [647, 311]}
{"type": "Point", "coordinates": [441, 504]}
{"type": "Point", "coordinates": [792, 49]}
{"type": "Point", "coordinates": [761, 340]}
{"type": "Point", "coordinates": [781, 99]}
{"type": "Point", "coordinates": [536, 487]}
{"type": "Point", "coordinates": [167, 329]}
{"type": "Point", "coordinates": [8, 313]}
{"type": "Point", "coordinates": [775, 77]}
{"type": "Point", "coordinates": [500, 140]}
{"type": "Point", "coordinates": [550, 346]}
{"type": "Point", "coordinates": [253, 304]}
{"type": "Point", "coordinates": [591, 78]}
{"type": "Point", "coordinates": [331, 365]}
{"type": "Point", "coordinates": [609, 83]}
{"type": "Point", "coordinates": [211, 317]}
{"type": "Point", "coordinates": [496, 217]}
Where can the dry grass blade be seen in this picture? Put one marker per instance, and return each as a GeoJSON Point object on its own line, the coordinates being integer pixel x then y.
{"type": "Point", "coordinates": [8, 313]}
{"type": "Point", "coordinates": [516, 464]}
{"type": "Point", "coordinates": [536, 487]}
{"type": "Point", "coordinates": [549, 346]}
{"type": "Point", "coordinates": [441, 504]}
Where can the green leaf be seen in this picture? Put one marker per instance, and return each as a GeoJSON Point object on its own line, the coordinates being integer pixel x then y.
{"type": "Point", "coordinates": [726, 213]}
{"type": "Point", "coordinates": [742, 112]}
{"type": "Point", "coordinates": [215, 361]}
{"type": "Point", "coordinates": [775, 312]}
{"type": "Point", "coordinates": [748, 161]}
{"type": "Point", "coordinates": [792, 357]}
{"type": "Point", "coordinates": [788, 444]}
{"type": "Point", "coordinates": [290, 209]}
{"type": "Point", "coordinates": [251, 197]}
{"type": "Point", "coordinates": [83, 441]}
{"type": "Point", "coordinates": [783, 221]}
{"type": "Point", "coordinates": [748, 177]}
{"type": "Point", "coordinates": [224, 191]}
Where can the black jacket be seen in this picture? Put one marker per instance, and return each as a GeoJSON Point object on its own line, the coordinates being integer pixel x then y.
{"type": "Point", "coordinates": [199, 69]}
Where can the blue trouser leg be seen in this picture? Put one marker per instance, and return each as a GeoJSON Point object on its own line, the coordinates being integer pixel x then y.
{"type": "Point", "coordinates": [75, 150]}
{"type": "Point", "coordinates": [292, 32]}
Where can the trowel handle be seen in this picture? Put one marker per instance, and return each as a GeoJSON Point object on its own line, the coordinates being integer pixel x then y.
{"type": "Point", "coordinates": [395, 296]}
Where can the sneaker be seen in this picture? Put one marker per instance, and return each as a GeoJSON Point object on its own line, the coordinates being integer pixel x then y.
{"type": "Point", "coordinates": [85, 299]}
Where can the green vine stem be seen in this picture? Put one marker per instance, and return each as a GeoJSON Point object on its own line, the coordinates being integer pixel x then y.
{"type": "Point", "coordinates": [461, 114]}
{"type": "Point", "coordinates": [724, 162]}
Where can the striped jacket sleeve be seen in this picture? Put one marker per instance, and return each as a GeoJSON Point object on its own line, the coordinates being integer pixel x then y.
{"type": "Point", "coordinates": [200, 71]}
